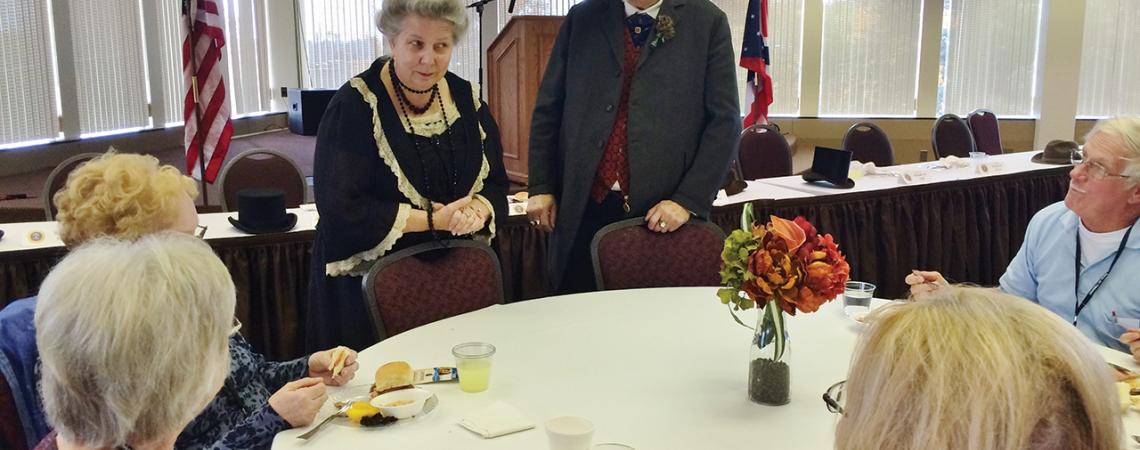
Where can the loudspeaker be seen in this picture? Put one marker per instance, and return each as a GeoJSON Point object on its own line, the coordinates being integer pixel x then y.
{"type": "Point", "coordinates": [306, 106]}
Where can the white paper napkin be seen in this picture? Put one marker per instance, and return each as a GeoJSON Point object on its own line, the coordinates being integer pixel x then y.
{"type": "Point", "coordinates": [496, 420]}
{"type": "Point", "coordinates": [954, 162]}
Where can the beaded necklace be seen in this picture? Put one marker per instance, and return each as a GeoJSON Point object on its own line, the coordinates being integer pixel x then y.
{"type": "Point", "coordinates": [405, 105]}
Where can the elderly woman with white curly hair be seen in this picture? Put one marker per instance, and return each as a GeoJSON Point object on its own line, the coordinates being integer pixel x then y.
{"type": "Point", "coordinates": [133, 340]}
{"type": "Point", "coordinates": [406, 153]}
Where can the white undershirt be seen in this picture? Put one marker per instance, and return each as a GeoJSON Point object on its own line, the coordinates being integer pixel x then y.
{"type": "Point", "coordinates": [1097, 246]}
{"type": "Point", "coordinates": [652, 10]}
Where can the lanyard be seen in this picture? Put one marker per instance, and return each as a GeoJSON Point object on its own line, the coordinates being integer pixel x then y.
{"type": "Point", "coordinates": [1080, 305]}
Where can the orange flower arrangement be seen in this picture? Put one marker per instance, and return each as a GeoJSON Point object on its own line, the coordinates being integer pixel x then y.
{"type": "Point", "coordinates": [787, 261]}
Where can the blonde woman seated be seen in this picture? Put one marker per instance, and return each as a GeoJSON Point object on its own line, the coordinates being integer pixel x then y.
{"type": "Point", "coordinates": [133, 340]}
{"type": "Point", "coordinates": [974, 368]}
{"type": "Point", "coordinates": [128, 196]}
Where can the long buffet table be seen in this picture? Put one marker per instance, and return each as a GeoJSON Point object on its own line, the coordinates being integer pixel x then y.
{"type": "Point", "coordinates": [966, 225]}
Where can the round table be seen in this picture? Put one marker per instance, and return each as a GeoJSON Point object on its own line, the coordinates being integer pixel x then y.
{"type": "Point", "coordinates": [652, 368]}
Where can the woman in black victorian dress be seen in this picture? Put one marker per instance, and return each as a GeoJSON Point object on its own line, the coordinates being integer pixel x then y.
{"type": "Point", "coordinates": [406, 154]}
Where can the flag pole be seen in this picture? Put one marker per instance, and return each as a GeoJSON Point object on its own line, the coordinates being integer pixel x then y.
{"type": "Point", "coordinates": [197, 112]}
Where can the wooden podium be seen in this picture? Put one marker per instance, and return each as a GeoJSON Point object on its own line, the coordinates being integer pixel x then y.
{"type": "Point", "coordinates": [516, 61]}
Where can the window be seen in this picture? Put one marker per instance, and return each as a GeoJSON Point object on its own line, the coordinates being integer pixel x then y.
{"type": "Point", "coordinates": [989, 56]}
{"type": "Point", "coordinates": [869, 65]}
{"type": "Point", "coordinates": [340, 40]}
{"type": "Point", "coordinates": [108, 66]}
{"type": "Point", "coordinates": [785, 33]}
{"type": "Point", "coordinates": [27, 81]}
{"type": "Point", "coordinates": [246, 57]}
{"type": "Point", "coordinates": [534, 8]}
{"type": "Point", "coordinates": [169, 30]}
{"type": "Point", "coordinates": [1110, 70]}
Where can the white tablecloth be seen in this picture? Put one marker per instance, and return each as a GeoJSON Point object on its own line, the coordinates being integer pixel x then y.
{"type": "Point", "coordinates": [17, 235]}
{"type": "Point", "coordinates": [654, 369]}
{"type": "Point", "coordinates": [935, 172]}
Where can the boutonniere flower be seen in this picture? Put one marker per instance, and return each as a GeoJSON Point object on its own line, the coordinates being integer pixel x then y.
{"type": "Point", "coordinates": [665, 30]}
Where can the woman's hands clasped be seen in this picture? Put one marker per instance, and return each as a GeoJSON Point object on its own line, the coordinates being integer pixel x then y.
{"type": "Point", "coordinates": [461, 217]}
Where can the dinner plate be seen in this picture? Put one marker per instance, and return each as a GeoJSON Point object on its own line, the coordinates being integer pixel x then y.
{"type": "Point", "coordinates": [360, 393]}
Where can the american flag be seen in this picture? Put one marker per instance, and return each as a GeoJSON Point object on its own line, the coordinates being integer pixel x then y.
{"type": "Point", "coordinates": [203, 28]}
{"type": "Point", "coordinates": [754, 58]}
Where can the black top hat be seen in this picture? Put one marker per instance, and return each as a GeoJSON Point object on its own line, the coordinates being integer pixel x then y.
{"type": "Point", "coordinates": [262, 210]}
{"type": "Point", "coordinates": [830, 165]}
{"type": "Point", "coordinates": [1056, 152]}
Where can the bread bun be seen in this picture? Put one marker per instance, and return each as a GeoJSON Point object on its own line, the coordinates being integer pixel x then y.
{"type": "Point", "coordinates": [393, 376]}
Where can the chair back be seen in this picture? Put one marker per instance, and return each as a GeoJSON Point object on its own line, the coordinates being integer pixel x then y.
{"type": "Point", "coordinates": [58, 177]}
{"type": "Point", "coordinates": [11, 430]}
{"type": "Point", "coordinates": [984, 125]}
{"type": "Point", "coordinates": [262, 168]}
{"type": "Point", "coordinates": [763, 153]}
{"type": "Point", "coordinates": [429, 282]}
{"type": "Point", "coordinates": [868, 143]}
{"type": "Point", "coordinates": [22, 420]}
{"type": "Point", "coordinates": [627, 255]}
{"type": "Point", "coordinates": [951, 136]}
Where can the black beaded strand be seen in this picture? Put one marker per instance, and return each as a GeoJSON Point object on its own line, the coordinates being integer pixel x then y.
{"type": "Point", "coordinates": [405, 104]}
{"type": "Point", "coordinates": [401, 87]}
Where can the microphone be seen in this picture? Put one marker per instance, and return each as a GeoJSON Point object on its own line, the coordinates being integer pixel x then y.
{"type": "Point", "coordinates": [511, 7]}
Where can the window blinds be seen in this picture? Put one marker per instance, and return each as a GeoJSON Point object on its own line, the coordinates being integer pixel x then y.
{"type": "Point", "coordinates": [27, 81]}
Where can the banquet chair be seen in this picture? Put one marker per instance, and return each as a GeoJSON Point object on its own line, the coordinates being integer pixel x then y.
{"type": "Point", "coordinates": [260, 168]}
{"type": "Point", "coordinates": [868, 143]}
{"type": "Point", "coordinates": [11, 431]}
{"type": "Point", "coordinates": [22, 421]}
{"type": "Point", "coordinates": [627, 255]}
{"type": "Point", "coordinates": [987, 136]}
{"type": "Point", "coordinates": [58, 177]}
{"type": "Point", "coordinates": [429, 282]}
{"type": "Point", "coordinates": [763, 153]}
{"type": "Point", "coordinates": [951, 136]}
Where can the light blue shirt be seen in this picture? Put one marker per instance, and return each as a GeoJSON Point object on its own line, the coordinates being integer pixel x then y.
{"type": "Point", "coordinates": [1043, 272]}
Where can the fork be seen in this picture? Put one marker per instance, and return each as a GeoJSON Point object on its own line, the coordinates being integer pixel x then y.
{"type": "Point", "coordinates": [342, 412]}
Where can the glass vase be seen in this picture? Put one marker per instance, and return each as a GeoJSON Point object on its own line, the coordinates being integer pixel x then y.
{"type": "Point", "coordinates": [769, 381]}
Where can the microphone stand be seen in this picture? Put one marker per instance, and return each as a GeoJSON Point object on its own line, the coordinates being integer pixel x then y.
{"type": "Point", "coordinates": [478, 5]}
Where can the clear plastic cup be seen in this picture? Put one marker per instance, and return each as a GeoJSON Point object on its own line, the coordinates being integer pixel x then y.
{"type": "Point", "coordinates": [473, 364]}
{"type": "Point", "coordinates": [857, 298]}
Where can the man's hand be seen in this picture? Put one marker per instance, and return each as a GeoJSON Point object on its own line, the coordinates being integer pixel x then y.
{"type": "Point", "coordinates": [922, 282]}
{"type": "Point", "coordinates": [334, 371]}
{"type": "Point", "coordinates": [1131, 338]}
{"type": "Point", "coordinates": [298, 401]}
{"type": "Point", "coordinates": [666, 217]}
{"type": "Point", "coordinates": [541, 210]}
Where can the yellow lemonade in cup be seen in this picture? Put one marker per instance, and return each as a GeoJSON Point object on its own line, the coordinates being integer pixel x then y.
{"type": "Point", "coordinates": [473, 364]}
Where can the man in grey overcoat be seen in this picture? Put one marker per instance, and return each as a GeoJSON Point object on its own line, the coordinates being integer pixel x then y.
{"type": "Point", "coordinates": [637, 116]}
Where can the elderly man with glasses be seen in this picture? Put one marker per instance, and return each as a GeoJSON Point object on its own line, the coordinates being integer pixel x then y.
{"type": "Point", "coordinates": [1080, 256]}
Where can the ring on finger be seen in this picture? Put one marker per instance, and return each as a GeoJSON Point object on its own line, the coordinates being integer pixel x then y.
{"type": "Point", "coordinates": [662, 225]}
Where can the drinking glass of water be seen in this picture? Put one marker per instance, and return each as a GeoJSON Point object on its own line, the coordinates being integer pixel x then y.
{"type": "Point", "coordinates": [857, 298]}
